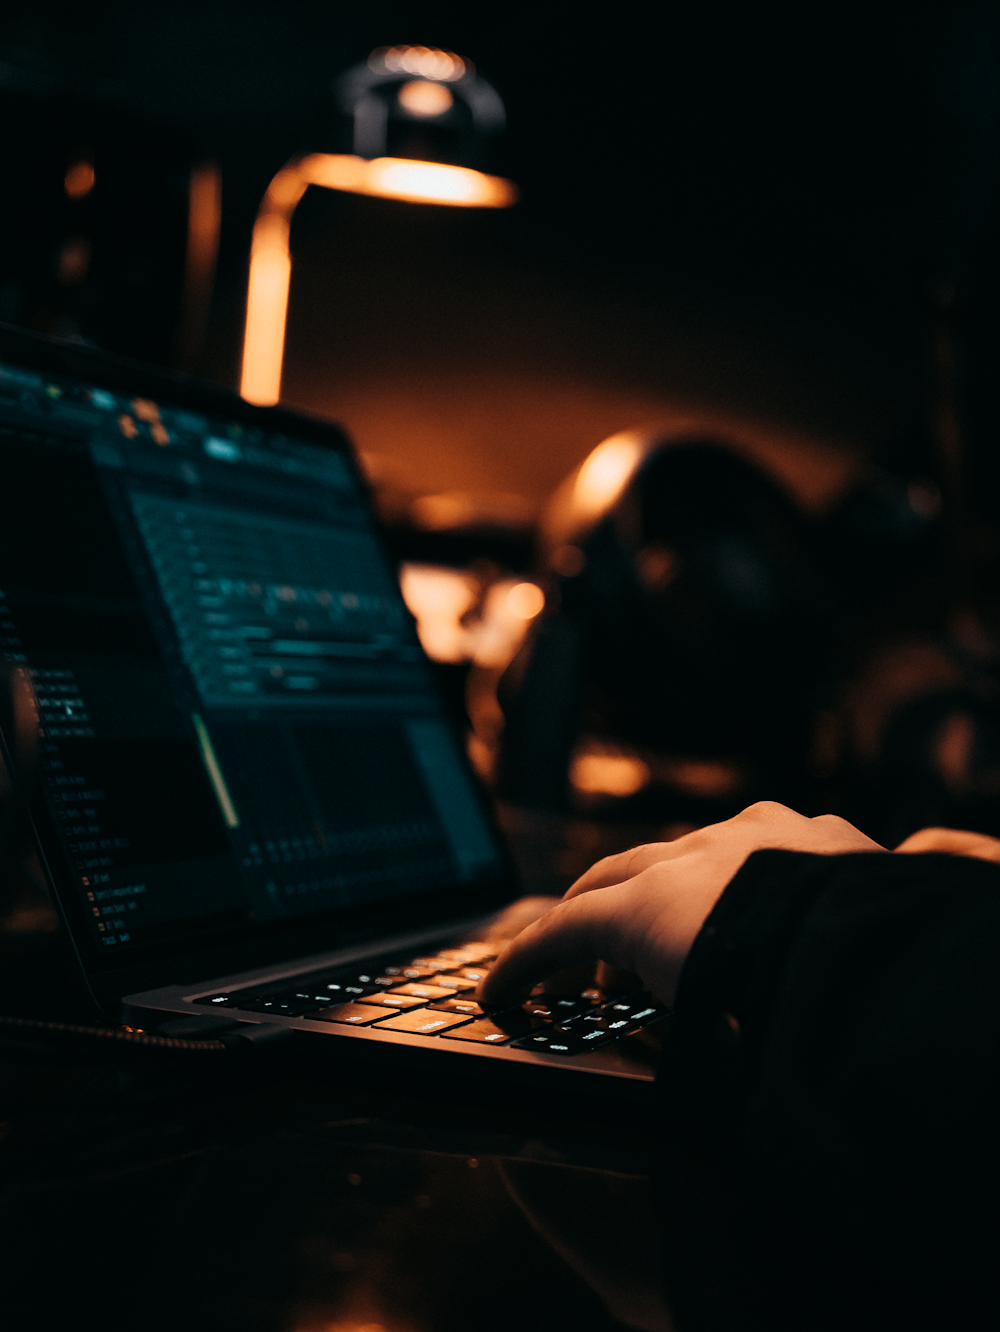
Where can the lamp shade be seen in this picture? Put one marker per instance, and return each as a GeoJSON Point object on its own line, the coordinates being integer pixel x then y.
{"type": "Point", "coordinates": [413, 84]}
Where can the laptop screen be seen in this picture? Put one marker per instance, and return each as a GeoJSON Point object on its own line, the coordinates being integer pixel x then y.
{"type": "Point", "coordinates": [237, 724]}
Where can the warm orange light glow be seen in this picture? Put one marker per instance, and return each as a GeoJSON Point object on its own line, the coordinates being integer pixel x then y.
{"type": "Point", "coordinates": [427, 61]}
{"type": "Point", "coordinates": [525, 601]}
{"type": "Point", "coordinates": [407, 179]}
{"type": "Point", "coordinates": [267, 309]}
{"type": "Point", "coordinates": [604, 475]}
{"type": "Point", "coordinates": [270, 261]}
{"type": "Point", "coordinates": [205, 209]}
{"type": "Point", "coordinates": [424, 99]}
{"type": "Point", "coordinates": [433, 182]}
{"type": "Point", "coordinates": [437, 598]}
{"type": "Point", "coordinates": [204, 224]}
{"type": "Point", "coordinates": [145, 409]}
{"type": "Point", "coordinates": [709, 778]}
{"type": "Point", "coordinates": [74, 260]}
{"type": "Point", "coordinates": [340, 1326]}
{"type": "Point", "coordinates": [456, 622]}
{"type": "Point", "coordinates": [608, 774]}
{"type": "Point", "coordinates": [79, 180]}
{"type": "Point", "coordinates": [267, 290]}
{"type": "Point", "coordinates": [462, 508]}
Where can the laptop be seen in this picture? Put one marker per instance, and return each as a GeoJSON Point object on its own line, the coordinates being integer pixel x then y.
{"type": "Point", "coordinates": [251, 807]}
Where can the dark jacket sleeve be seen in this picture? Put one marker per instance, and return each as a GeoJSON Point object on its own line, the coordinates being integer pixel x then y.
{"type": "Point", "coordinates": [830, 1086]}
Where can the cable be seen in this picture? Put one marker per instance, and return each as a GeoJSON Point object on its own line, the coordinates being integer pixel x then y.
{"type": "Point", "coordinates": [111, 1035]}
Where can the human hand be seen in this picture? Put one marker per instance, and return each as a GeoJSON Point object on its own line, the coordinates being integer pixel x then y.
{"type": "Point", "coordinates": [641, 911]}
{"type": "Point", "coordinates": [515, 917]}
{"type": "Point", "coordinates": [952, 841]}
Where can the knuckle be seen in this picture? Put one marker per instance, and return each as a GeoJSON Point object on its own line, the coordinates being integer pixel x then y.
{"type": "Point", "coordinates": [763, 809]}
{"type": "Point", "coordinates": [832, 823]}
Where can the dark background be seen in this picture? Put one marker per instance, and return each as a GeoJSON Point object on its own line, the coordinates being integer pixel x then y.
{"type": "Point", "coordinates": [729, 211]}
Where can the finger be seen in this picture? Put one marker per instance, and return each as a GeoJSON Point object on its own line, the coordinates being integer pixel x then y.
{"type": "Point", "coordinates": [566, 984]}
{"type": "Point", "coordinates": [564, 937]}
{"type": "Point", "coordinates": [953, 842]}
{"type": "Point", "coordinates": [616, 869]}
{"type": "Point", "coordinates": [627, 864]}
{"type": "Point", "coordinates": [518, 916]}
{"type": "Point", "coordinates": [846, 836]}
{"type": "Point", "coordinates": [615, 979]}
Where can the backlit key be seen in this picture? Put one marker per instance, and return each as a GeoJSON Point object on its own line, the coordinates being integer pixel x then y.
{"type": "Point", "coordinates": [424, 1023]}
{"type": "Point", "coordinates": [483, 1032]}
{"type": "Point", "coordinates": [355, 1015]}
{"type": "Point", "coordinates": [419, 990]}
{"type": "Point", "coordinates": [470, 1007]}
{"type": "Point", "coordinates": [403, 1002]}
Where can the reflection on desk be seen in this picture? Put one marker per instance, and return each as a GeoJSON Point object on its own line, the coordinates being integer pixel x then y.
{"type": "Point", "coordinates": [296, 1199]}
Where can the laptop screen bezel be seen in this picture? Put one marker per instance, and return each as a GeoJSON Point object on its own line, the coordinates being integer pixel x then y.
{"type": "Point", "coordinates": [187, 961]}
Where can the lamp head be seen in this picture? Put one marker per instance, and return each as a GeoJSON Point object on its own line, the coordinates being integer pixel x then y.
{"type": "Point", "coordinates": [422, 105]}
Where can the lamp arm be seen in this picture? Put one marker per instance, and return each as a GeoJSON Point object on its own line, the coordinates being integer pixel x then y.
{"type": "Point", "coordinates": [271, 267]}
{"type": "Point", "coordinates": [268, 284]}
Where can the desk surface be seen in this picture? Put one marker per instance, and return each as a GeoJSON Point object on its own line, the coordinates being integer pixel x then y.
{"type": "Point", "coordinates": [296, 1197]}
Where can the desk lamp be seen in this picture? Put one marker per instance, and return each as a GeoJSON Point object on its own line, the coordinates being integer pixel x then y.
{"type": "Point", "coordinates": [408, 83]}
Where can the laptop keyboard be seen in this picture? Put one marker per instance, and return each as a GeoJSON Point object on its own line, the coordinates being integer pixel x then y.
{"type": "Point", "coordinates": [430, 996]}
